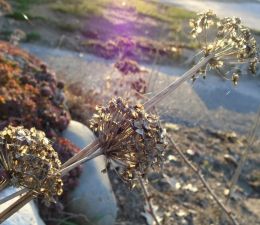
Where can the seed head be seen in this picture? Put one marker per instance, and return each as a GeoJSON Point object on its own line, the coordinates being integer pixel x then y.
{"type": "Point", "coordinates": [30, 161]}
{"type": "Point", "coordinates": [129, 136]}
{"type": "Point", "coordinates": [228, 41]}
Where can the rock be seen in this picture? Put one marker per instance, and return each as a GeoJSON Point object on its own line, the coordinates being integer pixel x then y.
{"type": "Point", "coordinates": [94, 196]}
{"type": "Point", "coordinates": [28, 215]}
{"type": "Point", "coordinates": [171, 126]}
{"type": "Point", "coordinates": [231, 160]}
{"type": "Point", "coordinates": [253, 204]}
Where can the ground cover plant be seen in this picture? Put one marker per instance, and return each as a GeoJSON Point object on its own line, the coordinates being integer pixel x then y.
{"type": "Point", "coordinates": [82, 26]}
{"type": "Point", "coordinates": [128, 133]}
{"type": "Point", "coordinates": [32, 97]}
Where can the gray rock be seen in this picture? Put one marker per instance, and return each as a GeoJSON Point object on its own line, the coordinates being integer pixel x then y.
{"type": "Point", "coordinates": [94, 197]}
{"type": "Point", "coordinates": [28, 215]}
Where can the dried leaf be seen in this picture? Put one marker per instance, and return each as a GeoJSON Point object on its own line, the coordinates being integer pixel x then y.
{"type": "Point", "coordinates": [172, 181]}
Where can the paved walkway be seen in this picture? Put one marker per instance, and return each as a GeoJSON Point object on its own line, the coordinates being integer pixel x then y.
{"type": "Point", "coordinates": [210, 102]}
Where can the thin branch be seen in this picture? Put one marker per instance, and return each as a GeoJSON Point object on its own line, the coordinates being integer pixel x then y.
{"type": "Point", "coordinates": [168, 90]}
{"type": "Point", "coordinates": [243, 159]}
{"type": "Point", "coordinates": [15, 194]}
{"type": "Point", "coordinates": [87, 154]}
{"type": "Point", "coordinates": [14, 207]}
{"type": "Point", "coordinates": [86, 151]}
{"type": "Point", "coordinates": [67, 216]}
{"type": "Point", "coordinates": [70, 167]}
{"type": "Point", "coordinates": [147, 199]}
{"type": "Point", "coordinates": [226, 210]}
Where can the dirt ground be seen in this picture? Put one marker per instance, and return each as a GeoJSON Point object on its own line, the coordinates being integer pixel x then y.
{"type": "Point", "coordinates": [177, 193]}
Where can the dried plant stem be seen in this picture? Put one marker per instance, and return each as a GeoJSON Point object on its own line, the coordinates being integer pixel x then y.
{"type": "Point", "coordinates": [3, 185]}
{"type": "Point", "coordinates": [84, 155]}
{"type": "Point", "coordinates": [13, 208]}
{"type": "Point", "coordinates": [147, 199]}
{"type": "Point", "coordinates": [251, 139]}
{"type": "Point", "coordinates": [205, 183]}
{"type": "Point", "coordinates": [15, 194]}
{"type": "Point", "coordinates": [86, 151]}
{"type": "Point", "coordinates": [70, 167]}
{"type": "Point", "coordinates": [168, 90]}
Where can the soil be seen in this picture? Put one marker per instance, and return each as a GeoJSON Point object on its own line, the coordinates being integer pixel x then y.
{"type": "Point", "coordinates": [178, 193]}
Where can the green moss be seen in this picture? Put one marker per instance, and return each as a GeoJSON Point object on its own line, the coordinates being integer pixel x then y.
{"type": "Point", "coordinates": [24, 5]}
{"type": "Point", "coordinates": [158, 11]}
{"type": "Point", "coordinates": [152, 9]}
{"type": "Point", "coordinates": [17, 15]}
{"type": "Point", "coordinates": [32, 36]}
{"type": "Point", "coordinates": [78, 7]}
{"type": "Point", "coordinates": [67, 27]}
{"type": "Point", "coordinates": [5, 34]}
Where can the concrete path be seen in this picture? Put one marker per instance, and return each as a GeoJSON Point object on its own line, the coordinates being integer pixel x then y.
{"type": "Point", "coordinates": [210, 102]}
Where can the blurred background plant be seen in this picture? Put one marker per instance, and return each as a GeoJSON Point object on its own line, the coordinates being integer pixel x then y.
{"type": "Point", "coordinates": [31, 96]}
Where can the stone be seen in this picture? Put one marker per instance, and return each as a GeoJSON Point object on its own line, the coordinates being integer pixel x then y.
{"type": "Point", "coordinates": [93, 197]}
{"type": "Point", "coordinates": [27, 215]}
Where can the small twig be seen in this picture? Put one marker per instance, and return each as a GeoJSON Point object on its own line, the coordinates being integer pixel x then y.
{"type": "Point", "coordinates": [147, 199]}
{"type": "Point", "coordinates": [243, 159]}
{"type": "Point", "coordinates": [67, 216]}
{"type": "Point", "coordinates": [204, 182]}
{"type": "Point", "coordinates": [15, 194]}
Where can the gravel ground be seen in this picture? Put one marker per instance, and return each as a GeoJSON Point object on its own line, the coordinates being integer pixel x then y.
{"type": "Point", "coordinates": [178, 193]}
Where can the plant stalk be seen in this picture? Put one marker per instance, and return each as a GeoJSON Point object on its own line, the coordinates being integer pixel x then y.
{"type": "Point", "coordinates": [15, 194]}
{"type": "Point", "coordinates": [70, 167]}
{"type": "Point", "coordinates": [86, 151]}
{"type": "Point", "coordinates": [14, 207]}
{"type": "Point", "coordinates": [225, 209]}
{"type": "Point", "coordinates": [168, 90]}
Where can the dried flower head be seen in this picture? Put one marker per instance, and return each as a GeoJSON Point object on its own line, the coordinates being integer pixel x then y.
{"type": "Point", "coordinates": [30, 161]}
{"type": "Point", "coordinates": [233, 44]}
{"type": "Point", "coordinates": [127, 66]}
{"type": "Point", "coordinates": [129, 136]}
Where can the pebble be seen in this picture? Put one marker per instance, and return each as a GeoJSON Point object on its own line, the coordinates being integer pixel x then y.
{"type": "Point", "coordinates": [94, 197]}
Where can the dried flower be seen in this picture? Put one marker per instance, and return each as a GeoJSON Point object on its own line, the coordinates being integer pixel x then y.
{"type": "Point", "coordinates": [235, 78]}
{"type": "Point", "coordinates": [129, 136]}
{"type": "Point", "coordinates": [127, 66]}
{"type": "Point", "coordinates": [30, 161]}
{"type": "Point", "coordinates": [233, 43]}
